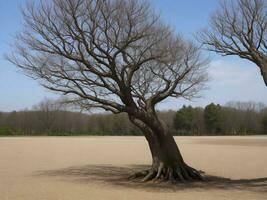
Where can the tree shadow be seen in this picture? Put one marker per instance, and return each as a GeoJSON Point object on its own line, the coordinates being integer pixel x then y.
{"type": "Point", "coordinates": [117, 176]}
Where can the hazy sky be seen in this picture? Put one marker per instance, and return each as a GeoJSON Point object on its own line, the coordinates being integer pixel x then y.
{"type": "Point", "coordinates": [232, 79]}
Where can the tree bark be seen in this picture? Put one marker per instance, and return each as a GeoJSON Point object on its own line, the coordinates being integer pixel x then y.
{"type": "Point", "coordinates": [261, 61]}
{"type": "Point", "coordinates": [167, 161]}
{"type": "Point", "coordinates": [264, 72]}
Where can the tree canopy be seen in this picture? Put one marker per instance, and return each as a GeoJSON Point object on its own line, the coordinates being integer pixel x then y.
{"type": "Point", "coordinates": [239, 28]}
{"type": "Point", "coordinates": [113, 55]}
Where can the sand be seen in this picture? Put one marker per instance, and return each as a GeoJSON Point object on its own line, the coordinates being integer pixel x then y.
{"type": "Point", "coordinates": [79, 168]}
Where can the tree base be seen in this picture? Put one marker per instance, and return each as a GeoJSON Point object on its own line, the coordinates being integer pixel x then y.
{"type": "Point", "coordinates": [179, 173]}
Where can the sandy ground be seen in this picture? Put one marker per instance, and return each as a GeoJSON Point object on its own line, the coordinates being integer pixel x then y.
{"type": "Point", "coordinates": [79, 168]}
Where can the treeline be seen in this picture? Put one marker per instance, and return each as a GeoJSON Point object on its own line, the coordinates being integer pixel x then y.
{"type": "Point", "coordinates": [64, 123]}
{"type": "Point", "coordinates": [52, 118]}
{"type": "Point", "coordinates": [235, 118]}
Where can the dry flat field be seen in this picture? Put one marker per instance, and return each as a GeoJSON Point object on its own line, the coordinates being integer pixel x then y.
{"type": "Point", "coordinates": [79, 168]}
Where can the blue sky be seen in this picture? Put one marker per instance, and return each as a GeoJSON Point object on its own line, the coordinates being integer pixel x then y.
{"type": "Point", "coordinates": [232, 79]}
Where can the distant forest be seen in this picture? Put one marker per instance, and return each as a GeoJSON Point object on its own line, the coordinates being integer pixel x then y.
{"type": "Point", "coordinates": [52, 118]}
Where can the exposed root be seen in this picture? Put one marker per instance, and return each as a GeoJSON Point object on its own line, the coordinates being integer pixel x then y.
{"type": "Point", "coordinates": [149, 176]}
{"type": "Point", "coordinates": [139, 174]}
{"type": "Point", "coordinates": [160, 171]}
{"type": "Point", "coordinates": [179, 173]}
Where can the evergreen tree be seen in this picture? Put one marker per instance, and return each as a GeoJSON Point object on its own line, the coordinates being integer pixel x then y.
{"type": "Point", "coordinates": [213, 118]}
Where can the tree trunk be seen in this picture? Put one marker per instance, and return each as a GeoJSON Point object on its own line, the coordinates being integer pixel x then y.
{"type": "Point", "coordinates": [264, 72]}
{"type": "Point", "coordinates": [261, 62]}
{"type": "Point", "coordinates": [167, 161]}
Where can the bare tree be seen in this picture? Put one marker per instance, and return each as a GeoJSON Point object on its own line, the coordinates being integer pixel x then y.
{"type": "Point", "coordinates": [116, 55]}
{"type": "Point", "coordinates": [240, 28]}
